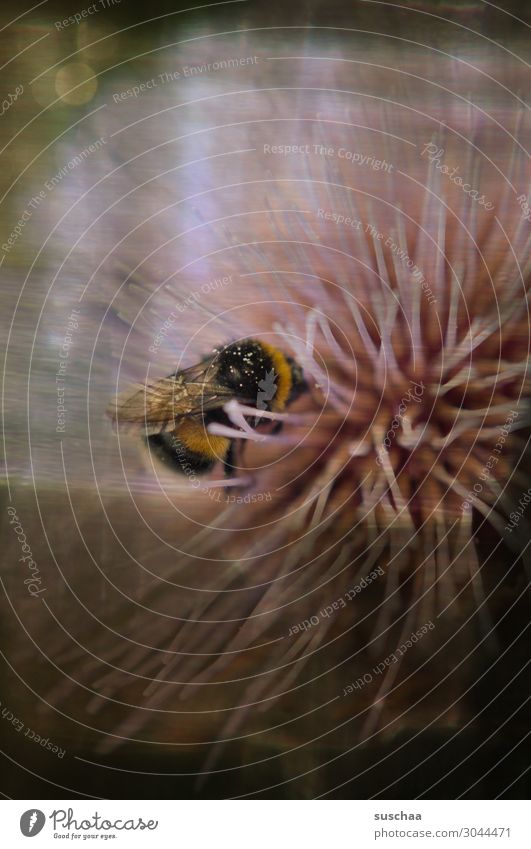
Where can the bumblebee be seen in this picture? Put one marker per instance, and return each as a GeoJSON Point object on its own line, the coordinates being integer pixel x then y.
{"type": "Point", "coordinates": [175, 412]}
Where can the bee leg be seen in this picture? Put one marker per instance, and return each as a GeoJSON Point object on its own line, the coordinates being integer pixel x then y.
{"type": "Point", "coordinates": [229, 465]}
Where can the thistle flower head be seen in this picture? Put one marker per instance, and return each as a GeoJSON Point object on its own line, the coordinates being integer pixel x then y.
{"type": "Point", "coordinates": [368, 226]}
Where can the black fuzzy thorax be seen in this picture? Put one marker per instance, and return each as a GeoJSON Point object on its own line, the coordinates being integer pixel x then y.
{"type": "Point", "coordinates": [242, 366]}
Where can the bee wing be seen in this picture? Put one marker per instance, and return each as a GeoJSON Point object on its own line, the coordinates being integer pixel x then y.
{"type": "Point", "coordinates": [204, 392]}
{"type": "Point", "coordinates": [156, 406]}
{"type": "Point", "coordinates": [149, 405]}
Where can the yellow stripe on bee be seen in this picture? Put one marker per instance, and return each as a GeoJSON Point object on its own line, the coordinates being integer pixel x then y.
{"type": "Point", "coordinates": [193, 436]}
{"type": "Point", "coordinates": [283, 373]}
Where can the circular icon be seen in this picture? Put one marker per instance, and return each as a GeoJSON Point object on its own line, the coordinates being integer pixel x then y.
{"type": "Point", "coordinates": [31, 822]}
